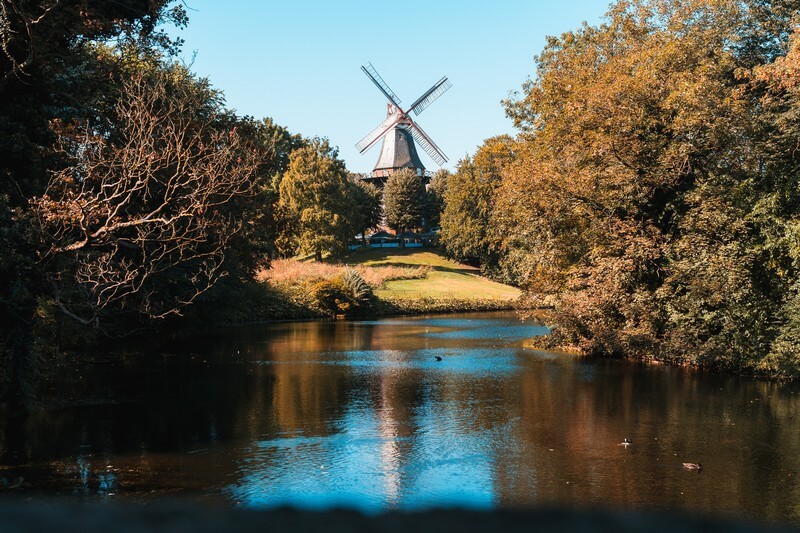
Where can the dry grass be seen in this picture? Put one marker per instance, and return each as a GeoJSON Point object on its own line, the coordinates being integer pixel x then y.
{"type": "Point", "coordinates": [292, 271]}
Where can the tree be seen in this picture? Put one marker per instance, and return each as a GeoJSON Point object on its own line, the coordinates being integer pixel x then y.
{"type": "Point", "coordinates": [469, 203]}
{"type": "Point", "coordinates": [648, 197]}
{"type": "Point", "coordinates": [136, 222]}
{"type": "Point", "coordinates": [313, 195]}
{"type": "Point", "coordinates": [434, 199]}
{"type": "Point", "coordinates": [404, 197]}
{"type": "Point", "coordinates": [366, 203]}
{"type": "Point", "coordinates": [49, 70]}
{"type": "Point", "coordinates": [255, 245]}
{"type": "Point", "coordinates": [39, 36]}
{"type": "Point", "coordinates": [620, 124]}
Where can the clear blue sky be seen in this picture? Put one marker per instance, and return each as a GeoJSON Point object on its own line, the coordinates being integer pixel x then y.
{"type": "Point", "coordinates": [298, 62]}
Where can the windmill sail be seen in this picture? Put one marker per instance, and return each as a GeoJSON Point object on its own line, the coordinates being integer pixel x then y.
{"type": "Point", "coordinates": [399, 133]}
{"type": "Point", "coordinates": [438, 89]}
{"type": "Point", "coordinates": [427, 144]}
{"type": "Point", "coordinates": [372, 74]}
{"type": "Point", "coordinates": [373, 136]}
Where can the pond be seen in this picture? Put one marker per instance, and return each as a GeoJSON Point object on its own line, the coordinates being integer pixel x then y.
{"type": "Point", "coordinates": [362, 414]}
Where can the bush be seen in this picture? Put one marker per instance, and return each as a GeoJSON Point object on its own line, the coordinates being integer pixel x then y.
{"type": "Point", "coordinates": [356, 286]}
{"type": "Point", "coordinates": [346, 294]}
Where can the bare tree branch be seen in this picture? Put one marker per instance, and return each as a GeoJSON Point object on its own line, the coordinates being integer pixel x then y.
{"type": "Point", "coordinates": [142, 213]}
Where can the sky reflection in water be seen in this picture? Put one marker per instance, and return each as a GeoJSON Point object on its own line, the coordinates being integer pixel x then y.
{"type": "Point", "coordinates": [362, 415]}
{"type": "Point", "coordinates": [374, 460]}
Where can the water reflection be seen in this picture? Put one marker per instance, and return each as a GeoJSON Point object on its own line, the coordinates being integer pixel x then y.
{"type": "Point", "coordinates": [362, 414]}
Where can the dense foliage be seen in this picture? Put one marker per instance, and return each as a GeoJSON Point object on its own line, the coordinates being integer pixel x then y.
{"type": "Point", "coordinates": [434, 200]}
{"type": "Point", "coordinates": [128, 191]}
{"type": "Point", "coordinates": [53, 73]}
{"type": "Point", "coordinates": [404, 200]}
{"type": "Point", "coordinates": [469, 203]}
{"type": "Point", "coordinates": [367, 206]}
{"type": "Point", "coordinates": [651, 198]}
{"type": "Point", "coordinates": [317, 202]}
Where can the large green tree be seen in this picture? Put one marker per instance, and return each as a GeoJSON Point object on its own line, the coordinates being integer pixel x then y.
{"type": "Point", "coordinates": [314, 199]}
{"type": "Point", "coordinates": [469, 203]}
{"type": "Point", "coordinates": [255, 245]}
{"type": "Point", "coordinates": [404, 198]}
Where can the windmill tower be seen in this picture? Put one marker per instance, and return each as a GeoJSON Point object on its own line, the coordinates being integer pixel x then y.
{"type": "Point", "coordinates": [400, 133]}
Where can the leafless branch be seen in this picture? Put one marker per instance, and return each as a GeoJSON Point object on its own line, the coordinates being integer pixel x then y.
{"type": "Point", "coordinates": [142, 212]}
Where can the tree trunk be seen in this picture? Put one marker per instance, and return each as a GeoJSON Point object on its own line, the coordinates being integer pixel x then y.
{"type": "Point", "coordinates": [318, 255]}
{"type": "Point", "coordinates": [402, 240]}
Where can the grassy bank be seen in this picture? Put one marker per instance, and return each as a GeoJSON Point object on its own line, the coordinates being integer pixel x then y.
{"type": "Point", "coordinates": [446, 279]}
{"type": "Point", "coordinates": [410, 281]}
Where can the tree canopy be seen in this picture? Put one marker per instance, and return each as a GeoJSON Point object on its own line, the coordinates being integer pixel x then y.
{"type": "Point", "coordinates": [366, 202]}
{"type": "Point", "coordinates": [136, 219]}
{"type": "Point", "coordinates": [469, 203]}
{"type": "Point", "coordinates": [127, 188]}
{"type": "Point", "coordinates": [434, 199]}
{"type": "Point", "coordinates": [650, 198]}
{"type": "Point", "coordinates": [404, 198]}
{"type": "Point", "coordinates": [314, 197]}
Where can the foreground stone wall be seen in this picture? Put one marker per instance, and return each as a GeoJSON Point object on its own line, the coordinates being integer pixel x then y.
{"type": "Point", "coordinates": [22, 516]}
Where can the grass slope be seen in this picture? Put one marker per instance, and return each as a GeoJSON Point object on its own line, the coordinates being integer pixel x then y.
{"type": "Point", "coordinates": [446, 280]}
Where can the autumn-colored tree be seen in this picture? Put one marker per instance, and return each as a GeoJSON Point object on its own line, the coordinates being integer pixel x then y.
{"type": "Point", "coordinates": [776, 212]}
{"type": "Point", "coordinates": [404, 197]}
{"type": "Point", "coordinates": [50, 71]}
{"type": "Point", "coordinates": [632, 203]}
{"type": "Point", "coordinates": [314, 198]}
{"type": "Point", "coordinates": [469, 203]}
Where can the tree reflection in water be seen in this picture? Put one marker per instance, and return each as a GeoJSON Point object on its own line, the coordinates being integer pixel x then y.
{"type": "Point", "coordinates": [361, 414]}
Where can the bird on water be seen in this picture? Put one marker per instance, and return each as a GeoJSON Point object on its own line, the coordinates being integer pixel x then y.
{"type": "Point", "coordinates": [438, 358]}
{"type": "Point", "coordinates": [692, 466]}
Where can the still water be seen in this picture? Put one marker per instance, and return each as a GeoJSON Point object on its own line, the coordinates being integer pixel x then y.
{"type": "Point", "coordinates": [363, 415]}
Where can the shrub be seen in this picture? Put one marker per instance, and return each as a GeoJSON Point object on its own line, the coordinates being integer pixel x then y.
{"type": "Point", "coordinates": [356, 286]}
{"type": "Point", "coordinates": [331, 296]}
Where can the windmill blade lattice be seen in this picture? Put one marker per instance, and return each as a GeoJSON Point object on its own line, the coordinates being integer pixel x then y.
{"type": "Point", "coordinates": [370, 71]}
{"type": "Point", "coordinates": [430, 96]}
{"type": "Point", "coordinates": [373, 136]}
{"type": "Point", "coordinates": [399, 133]}
{"type": "Point", "coordinates": [427, 144]}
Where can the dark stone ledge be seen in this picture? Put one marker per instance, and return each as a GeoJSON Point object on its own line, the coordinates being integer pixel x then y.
{"type": "Point", "coordinates": [62, 518]}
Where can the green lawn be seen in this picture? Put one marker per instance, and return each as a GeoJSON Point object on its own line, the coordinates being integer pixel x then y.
{"type": "Point", "coordinates": [446, 280]}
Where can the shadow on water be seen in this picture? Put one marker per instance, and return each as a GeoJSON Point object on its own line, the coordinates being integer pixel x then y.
{"type": "Point", "coordinates": [363, 415]}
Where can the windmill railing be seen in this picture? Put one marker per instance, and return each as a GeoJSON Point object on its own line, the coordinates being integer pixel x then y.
{"type": "Point", "coordinates": [380, 175]}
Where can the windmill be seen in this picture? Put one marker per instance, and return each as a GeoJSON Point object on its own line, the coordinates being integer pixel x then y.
{"type": "Point", "coordinates": [399, 132]}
